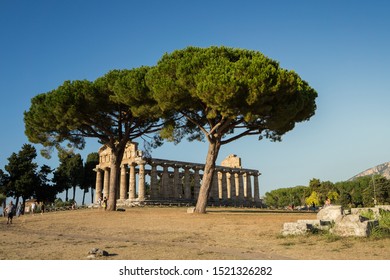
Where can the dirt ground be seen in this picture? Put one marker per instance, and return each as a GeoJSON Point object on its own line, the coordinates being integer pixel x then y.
{"type": "Point", "coordinates": [154, 233]}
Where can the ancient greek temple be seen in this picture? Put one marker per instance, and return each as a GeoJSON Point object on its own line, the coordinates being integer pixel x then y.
{"type": "Point", "coordinates": [151, 180]}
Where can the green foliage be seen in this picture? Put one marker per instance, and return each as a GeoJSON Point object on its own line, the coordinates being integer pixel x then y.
{"type": "Point", "coordinates": [59, 203]}
{"type": "Point", "coordinates": [313, 199]}
{"type": "Point", "coordinates": [369, 214]}
{"type": "Point", "coordinates": [113, 108]}
{"type": "Point", "coordinates": [3, 197]}
{"type": "Point", "coordinates": [89, 173]}
{"type": "Point", "coordinates": [220, 89]}
{"type": "Point", "coordinates": [24, 179]}
{"type": "Point", "coordinates": [280, 198]}
{"type": "Point", "coordinates": [70, 172]}
{"type": "Point", "coordinates": [361, 192]}
{"type": "Point", "coordinates": [383, 230]}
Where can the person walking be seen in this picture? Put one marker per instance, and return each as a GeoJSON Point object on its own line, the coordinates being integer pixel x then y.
{"type": "Point", "coordinates": [105, 203]}
{"type": "Point", "coordinates": [10, 212]}
{"type": "Point", "coordinates": [33, 205]}
{"type": "Point", "coordinates": [19, 209]}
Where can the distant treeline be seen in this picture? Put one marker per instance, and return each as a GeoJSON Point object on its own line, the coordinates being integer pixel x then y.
{"type": "Point", "coordinates": [362, 192]}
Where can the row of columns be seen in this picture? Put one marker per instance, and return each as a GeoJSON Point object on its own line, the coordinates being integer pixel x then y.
{"type": "Point", "coordinates": [230, 184]}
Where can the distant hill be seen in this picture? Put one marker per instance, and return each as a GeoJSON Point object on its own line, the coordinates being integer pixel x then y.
{"type": "Point", "coordinates": [382, 169]}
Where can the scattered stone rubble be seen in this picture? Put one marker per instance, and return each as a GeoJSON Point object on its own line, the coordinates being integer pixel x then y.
{"type": "Point", "coordinates": [337, 221]}
{"type": "Point", "coordinates": [96, 252]}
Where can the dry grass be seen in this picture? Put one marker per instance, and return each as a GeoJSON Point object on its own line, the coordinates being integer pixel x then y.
{"type": "Point", "coordinates": [151, 233]}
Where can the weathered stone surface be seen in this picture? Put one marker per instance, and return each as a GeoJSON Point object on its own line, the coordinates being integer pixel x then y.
{"type": "Point", "coordinates": [332, 218]}
{"type": "Point", "coordinates": [351, 225]}
{"type": "Point", "coordinates": [294, 229]}
{"type": "Point", "coordinates": [331, 213]}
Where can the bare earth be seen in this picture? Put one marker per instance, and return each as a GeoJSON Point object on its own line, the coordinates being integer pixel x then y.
{"type": "Point", "coordinates": [154, 233]}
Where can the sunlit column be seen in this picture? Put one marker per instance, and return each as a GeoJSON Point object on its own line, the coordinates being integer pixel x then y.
{"type": "Point", "coordinates": [123, 183]}
{"type": "Point", "coordinates": [229, 185]}
{"type": "Point", "coordinates": [219, 178]}
{"type": "Point", "coordinates": [236, 186]}
{"type": "Point", "coordinates": [106, 182]}
{"type": "Point", "coordinates": [99, 184]}
{"type": "Point", "coordinates": [245, 184]}
{"type": "Point", "coordinates": [141, 181]}
{"type": "Point", "coordinates": [132, 181]}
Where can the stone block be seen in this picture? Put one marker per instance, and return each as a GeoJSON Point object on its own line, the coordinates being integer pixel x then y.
{"type": "Point", "coordinates": [351, 225]}
{"type": "Point", "coordinates": [331, 213]}
{"type": "Point", "coordinates": [191, 210]}
{"type": "Point", "coordinates": [294, 229]}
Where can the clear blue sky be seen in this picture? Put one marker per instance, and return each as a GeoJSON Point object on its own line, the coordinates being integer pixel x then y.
{"type": "Point", "coordinates": [340, 47]}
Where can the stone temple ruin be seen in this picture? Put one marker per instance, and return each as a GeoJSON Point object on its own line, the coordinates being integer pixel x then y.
{"type": "Point", "coordinates": [146, 180]}
{"type": "Point", "coordinates": [337, 221]}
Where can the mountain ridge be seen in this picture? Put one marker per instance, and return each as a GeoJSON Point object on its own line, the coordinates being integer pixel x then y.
{"type": "Point", "coordinates": [381, 169]}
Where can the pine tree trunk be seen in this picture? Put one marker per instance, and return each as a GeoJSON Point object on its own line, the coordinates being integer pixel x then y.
{"type": "Point", "coordinates": [116, 159]}
{"type": "Point", "coordinates": [82, 203]}
{"type": "Point", "coordinates": [207, 179]}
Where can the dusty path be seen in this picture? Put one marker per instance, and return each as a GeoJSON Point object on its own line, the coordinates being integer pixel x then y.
{"type": "Point", "coordinates": [171, 234]}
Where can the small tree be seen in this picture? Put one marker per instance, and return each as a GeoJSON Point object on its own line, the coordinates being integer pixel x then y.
{"type": "Point", "coordinates": [89, 181]}
{"type": "Point", "coordinates": [23, 178]}
{"type": "Point", "coordinates": [45, 192]}
{"type": "Point", "coordinates": [221, 94]}
{"type": "Point", "coordinates": [69, 173]}
{"type": "Point", "coordinates": [313, 199]}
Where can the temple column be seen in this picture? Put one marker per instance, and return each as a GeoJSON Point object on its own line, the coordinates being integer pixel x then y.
{"type": "Point", "coordinates": [165, 181]}
{"type": "Point", "coordinates": [106, 182]}
{"type": "Point", "coordinates": [229, 185]}
{"type": "Point", "coordinates": [256, 189]}
{"type": "Point", "coordinates": [141, 181]}
{"type": "Point", "coordinates": [177, 182]}
{"type": "Point", "coordinates": [220, 187]}
{"type": "Point", "coordinates": [171, 186]}
{"type": "Point", "coordinates": [99, 184]}
{"type": "Point", "coordinates": [153, 182]}
{"type": "Point", "coordinates": [214, 187]}
{"type": "Point", "coordinates": [245, 184]}
{"type": "Point", "coordinates": [187, 186]}
{"type": "Point", "coordinates": [236, 186]}
{"type": "Point", "coordinates": [249, 187]}
{"type": "Point", "coordinates": [196, 182]}
{"type": "Point", "coordinates": [241, 186]}
{"type": "Point", "coordinates": [132, 182]}
{"type": "Point", "coordinates": [123, 185]}
{"type": "Point", "coordinates": [224, 186]}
